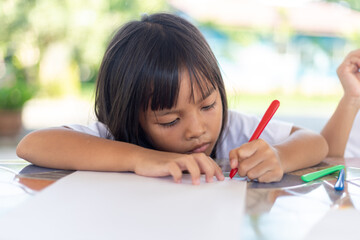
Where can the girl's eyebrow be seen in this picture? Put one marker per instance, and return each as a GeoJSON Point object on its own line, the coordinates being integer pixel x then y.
{"type": "Point", "coordinates": [167, 112]}
{"type": "Point", "coordinates": [163, 113]}
{"type": "Point", "coordinates": [206, 95]}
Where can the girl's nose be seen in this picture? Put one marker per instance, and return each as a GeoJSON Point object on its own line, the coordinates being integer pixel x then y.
{"type": "Point", "coordinates": [195, 127]}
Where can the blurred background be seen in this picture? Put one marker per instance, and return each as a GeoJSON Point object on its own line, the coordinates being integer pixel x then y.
{"type": "Point", "coordinates": [50, 52]}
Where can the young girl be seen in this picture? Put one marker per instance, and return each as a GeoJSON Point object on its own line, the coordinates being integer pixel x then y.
{"type": "Point", "coordinates": [342, 124]}
{"type": "Point", "coordinates": [161, 109]}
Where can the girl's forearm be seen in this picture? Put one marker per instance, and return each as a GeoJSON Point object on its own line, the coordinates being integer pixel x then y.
{"type": "Point", "coordinates": [303, 149]}
{"type": "Point", "coordinates": [66, 149]}
{"type": "Point", "coordinates": [337, 129]}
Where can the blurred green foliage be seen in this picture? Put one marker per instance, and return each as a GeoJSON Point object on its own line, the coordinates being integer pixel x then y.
{"type": "Point", "coordinates": [57, 44]}
{"type": "Point", "coordinates": [353, 4]}
{"type": "Point", "coordinates": [15, 90]}
{"type": "Point", "coordinates": [14, 97]}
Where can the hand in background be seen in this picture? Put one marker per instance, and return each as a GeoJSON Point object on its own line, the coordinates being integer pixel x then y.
{"type": "Point", "coordinates": [338, 128]}
{"type": "Point", "coordinates": [349, 76]}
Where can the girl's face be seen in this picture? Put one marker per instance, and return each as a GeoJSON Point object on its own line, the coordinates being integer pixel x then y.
{"type": "Point", "coordinates": [190, 126]}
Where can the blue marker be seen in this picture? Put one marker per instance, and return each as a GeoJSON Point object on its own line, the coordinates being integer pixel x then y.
{"type": "Point", "coordinates": [339, 185]}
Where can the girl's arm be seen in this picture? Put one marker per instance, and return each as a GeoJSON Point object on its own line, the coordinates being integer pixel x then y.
{"type": "Point", "coordinates": [64, 148]}
{"type": "Point", "coordinates": [258, 160]}
{"type": "Point", "coordinates": [302, 149]}
{"type": "Point", "coordinates": [67, 149]}
{"type": "Point", "coordinates": [338, 128]}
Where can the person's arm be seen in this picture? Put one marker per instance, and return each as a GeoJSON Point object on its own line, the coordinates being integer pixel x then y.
{"type": "Point", "coordinates": [67, 149]}
{"type": "Point", "coordinates": [258, 160]}
{"type": "Point", "coordinates": [337, 129]}
{"type": "Point", "coordinates": [302, 149]}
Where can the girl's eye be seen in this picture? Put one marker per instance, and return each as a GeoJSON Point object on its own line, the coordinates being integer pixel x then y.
{"type": "Point", "coordinates": [169, 124]}
{"type": "Point", "coordinates": [209, 106]}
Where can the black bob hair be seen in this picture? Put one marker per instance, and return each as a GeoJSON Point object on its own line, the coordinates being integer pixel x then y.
{"type": "Point", "coordinates": [141, 69]}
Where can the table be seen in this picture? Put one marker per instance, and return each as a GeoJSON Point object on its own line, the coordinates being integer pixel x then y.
{"type": "Point", "coordinates": [283, 210]}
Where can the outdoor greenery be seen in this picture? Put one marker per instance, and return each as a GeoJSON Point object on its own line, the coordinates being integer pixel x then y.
{"type": "Point", "coordinates": [56, 45]}
{"type": "Point", "coordinates": [15, 96]}
{"type": "Point", "coordinates": [15, 90]}
{"type": "Point", "coordinates": [292, 104]}
{"type": "Point", "coordinates": [353, 4]}
{"type": "Point", "coordinates": [52, 48]}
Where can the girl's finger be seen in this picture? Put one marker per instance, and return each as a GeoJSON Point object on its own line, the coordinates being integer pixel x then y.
{"type": "Point", "coordinates": [193, 168]}
{"type": "Point", "coordinates": [271, 176]}
{"type": "Point", "coordinates": [259, 170]}
{"type": "Point", "coordinates": [243, 152]}
{"type": "Point", "coordinates": [260, 152]}
{"type": "Point", "coordinates": [262, 155]}
{"type": "Point", "coordinates": [246, 165]}
{"type": "Point", "coordinates": [175, 171]}
{"type": "Point", "coordinates": [354, 53]}
{"type": "Point", "coordinates": [218, 172]}
{"type": "Point", "coordinates": [206, 166]}
{"type": "Point", "coordinates": [355, 63]}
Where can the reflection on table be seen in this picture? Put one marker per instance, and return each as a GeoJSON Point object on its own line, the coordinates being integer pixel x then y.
{"type": "Point", "coordinates": [273, 211]}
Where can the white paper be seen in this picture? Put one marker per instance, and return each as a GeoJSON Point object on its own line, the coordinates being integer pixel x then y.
{"type": "Point", "coordinates": [337, 224]}
{"type": "Point", "coordinates": [97, 205]}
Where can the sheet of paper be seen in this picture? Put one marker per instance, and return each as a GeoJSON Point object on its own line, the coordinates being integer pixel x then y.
{"type": "Point", "coordinates": [337, 224]}
{"type": "Point", "coordinates": [97, 205]}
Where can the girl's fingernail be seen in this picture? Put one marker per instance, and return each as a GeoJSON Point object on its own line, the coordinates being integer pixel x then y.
{"type": "Point", "coordinates": [196, 181]}
{"type": "Point", "coordinates": [233, 163]}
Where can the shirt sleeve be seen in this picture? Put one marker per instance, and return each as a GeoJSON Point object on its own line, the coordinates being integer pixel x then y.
{"type": "Point", "coordinates": [97, 129]}
{"type": "Point", "coordinates": [240, 128]}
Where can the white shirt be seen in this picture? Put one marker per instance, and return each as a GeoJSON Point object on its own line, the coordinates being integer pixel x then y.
{"type": "Point", "coordinates": [237, 131]}
{"type": "Point", "coordinates": [353, 144]}
{"type": "Point", "coordinates": [240, 128]}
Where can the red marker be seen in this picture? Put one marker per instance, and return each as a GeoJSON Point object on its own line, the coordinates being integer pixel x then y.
{"type": "Point", "coordinates": [264, 121]}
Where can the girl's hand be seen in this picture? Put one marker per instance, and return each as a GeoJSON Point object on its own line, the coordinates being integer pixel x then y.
{"type": "Point", "coordinates": [349, 76]}
{"type": "Point", "coordinates": [257, 160]}
{"type": "Point", "coordinates": [165, 164]}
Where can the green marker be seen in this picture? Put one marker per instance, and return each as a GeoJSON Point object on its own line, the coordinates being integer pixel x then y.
{"type": "Point", "coordinates": [314, 175]}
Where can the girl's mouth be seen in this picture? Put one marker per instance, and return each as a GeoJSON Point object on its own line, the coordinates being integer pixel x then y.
{"type": "Point", "coordinates": [200, 148]}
